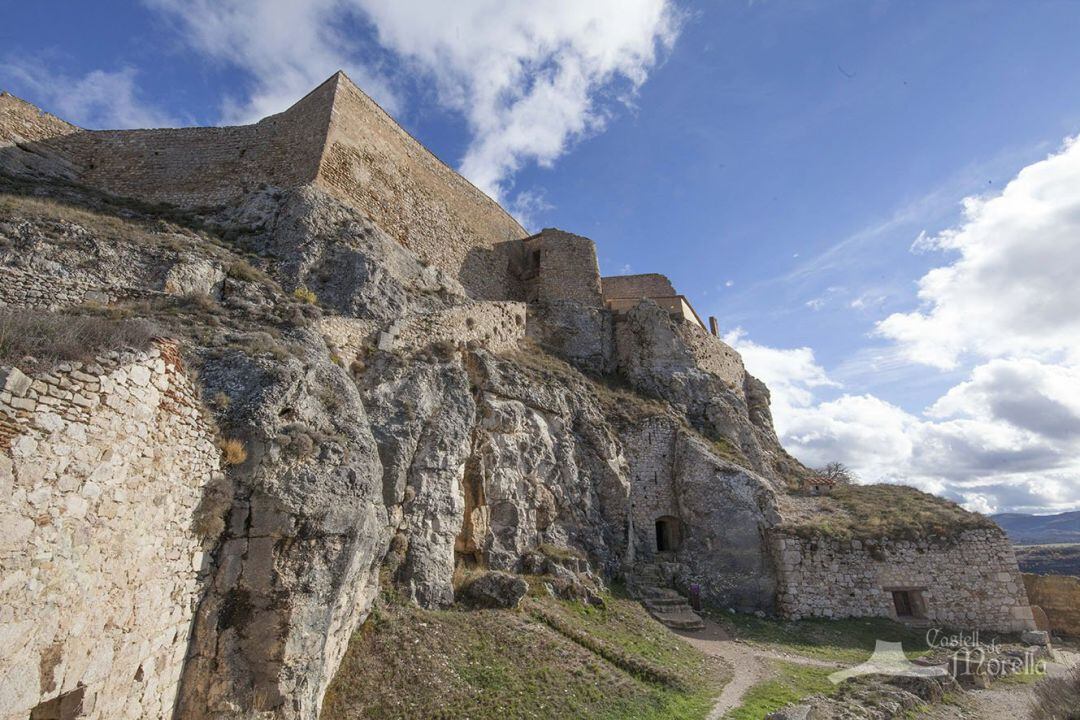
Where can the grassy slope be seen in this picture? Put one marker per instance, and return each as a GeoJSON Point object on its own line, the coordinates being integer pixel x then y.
{"type": "Point", "coordinates": [849, 641]}
{"type": "Point", "coordinates": [411, 663]}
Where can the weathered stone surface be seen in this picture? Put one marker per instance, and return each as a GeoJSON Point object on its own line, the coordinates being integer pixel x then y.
{"type": "Point", "coordinates": [495, 589]}
{"type": "Point", "coordinates": [98, 551]}
{"type": "Point", "coordinates": [1059, 598]}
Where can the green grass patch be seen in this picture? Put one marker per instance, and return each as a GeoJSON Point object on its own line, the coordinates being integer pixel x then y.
{"type": "Point", "coordinates": [406, 662]}
{"type": "Point", "coordinates": [792, 683]}
{"type": "Point", "coordinates": [848, 641]}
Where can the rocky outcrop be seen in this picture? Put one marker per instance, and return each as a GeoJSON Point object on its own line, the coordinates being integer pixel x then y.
{"type": "Point", "coordinates": [296, 565]}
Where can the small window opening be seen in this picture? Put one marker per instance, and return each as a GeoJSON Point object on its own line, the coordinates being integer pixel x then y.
{"type": "Point", "coordinates": [667, 534]}
{"type": "Point", "coordinates": [68, 706]}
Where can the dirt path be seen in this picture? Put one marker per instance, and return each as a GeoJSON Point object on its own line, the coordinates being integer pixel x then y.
{"type": "Point", "coordinates": [750, 665]}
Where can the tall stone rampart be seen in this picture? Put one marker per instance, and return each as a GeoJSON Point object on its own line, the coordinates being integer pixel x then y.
{"type": "Point", "coordinates": [335, 137]}
{"type": "Point", "coordinates": [373, 164]}
{"type": "Point", "coordinates": [102, 466]}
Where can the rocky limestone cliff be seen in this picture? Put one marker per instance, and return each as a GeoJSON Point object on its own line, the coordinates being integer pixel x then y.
{"type": "Point", "coordinates": [386, 427]}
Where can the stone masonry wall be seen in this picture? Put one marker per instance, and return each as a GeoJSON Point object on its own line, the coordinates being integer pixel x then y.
{"type": "Point", "coordinates": [497, 326]}
{"type": "Point", "coordinates": [1059, 597]}
{"type": "Point", "coordinates": [204, 166]}
{"type": "Point", "coordinates": [101, 468]}
{"type": "Point", "coordinates": [559, 266]}
{"type": "Point", "coordinates": [373, 164]}
{"type": "Point", "coordinates": [335, 137]}
{"type": "Point", "coordinates": [50, 292]}
{"type": "Point", "coordinates": [637, 286]}
{"type": "Point", "coordinates": [971, 581]}
{"type": "Point", "coordinates": [22, 122]}
{"type": "Point", "coordinates": [712, 354]}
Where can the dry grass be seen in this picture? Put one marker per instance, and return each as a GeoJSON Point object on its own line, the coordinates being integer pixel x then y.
{"type": "Point", "coordinates": [892, 511]}
{"type": "Point", "coordinates": [503, 665]}
{"type": "Point", "coordinates": [39, 340]}
{"type": "Point", "coordinates": [1057, 698]}
{"type": "Point", "coordinates": [233, 451]}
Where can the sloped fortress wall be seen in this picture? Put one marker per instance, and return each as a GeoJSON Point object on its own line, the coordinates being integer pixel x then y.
{"type": "Point", "coordinates": [335, 137]}
{"type": "Point", "coordinates": [204, 165]}
{"type": "Point", "coordinates": [371, 163]}
{"type": "Point", "coordinates": [969, 581]}
{"type": "Point", "coordinates": [101, 469]}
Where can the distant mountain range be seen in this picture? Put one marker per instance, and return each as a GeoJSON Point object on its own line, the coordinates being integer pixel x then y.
{"type": "Point", "coordinates": [1040, 529]}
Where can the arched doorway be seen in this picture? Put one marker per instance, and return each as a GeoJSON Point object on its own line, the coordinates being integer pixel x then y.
{"type": "Point", "coordinates": [668, 536]}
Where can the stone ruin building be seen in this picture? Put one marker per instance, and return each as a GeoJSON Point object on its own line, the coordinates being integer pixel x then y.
{"type": "Point", "coordinates": [646, 446]}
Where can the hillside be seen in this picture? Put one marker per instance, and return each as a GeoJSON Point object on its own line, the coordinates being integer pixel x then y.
{"type": "Point", "coordinates": [1040, 529]}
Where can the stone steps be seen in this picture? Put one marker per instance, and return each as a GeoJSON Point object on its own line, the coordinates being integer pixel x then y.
{"type": "Point", "coordinates": [663, 603]}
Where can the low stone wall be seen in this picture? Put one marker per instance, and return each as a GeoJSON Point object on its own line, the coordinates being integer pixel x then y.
{"type": "Point", "coordinates": [967, 582]}
{"type": "Point", "coordinates": [50, 292]}
{"type": "Point", "coordinates": [101, 468]}
{"type": "Point", "coordinates": [1059, 597]}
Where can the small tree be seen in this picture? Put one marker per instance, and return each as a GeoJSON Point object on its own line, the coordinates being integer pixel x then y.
{"type": "Point", "coordinates": [838, 472]}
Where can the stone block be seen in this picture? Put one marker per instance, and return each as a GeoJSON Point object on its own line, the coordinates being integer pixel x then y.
{"type": "Point", "coordinates": [13, 380]}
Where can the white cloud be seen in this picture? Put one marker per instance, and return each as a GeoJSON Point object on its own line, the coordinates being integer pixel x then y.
{"type": "Point", "coordinates": [1005, 314]}
{"type": "Point", "coordinates": [286, 47]}
{"type": "Point", "coordinates": [98, 99]}
{"type": "Point", "coordinates": [529, 78]}
{"type": "Point", "coordinates": [1013, 291]}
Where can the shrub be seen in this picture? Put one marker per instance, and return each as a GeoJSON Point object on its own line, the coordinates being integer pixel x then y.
{"type": "Point", "coordinates": [233, 451]}
{"type": "Point", "coordinates": [49, 338]}
{"type": "Point", "coordinates": [221, 402]}
{"type": "Point", "coordinates": [304, 295]}
{"type": "Point", "coordinates": [242, 270]}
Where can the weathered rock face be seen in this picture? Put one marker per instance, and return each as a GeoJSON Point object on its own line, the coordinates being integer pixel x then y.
{"type": "Point", "coordinates": [297, 562]}
{"type": "Point", "coordinates": [660, 359]}
{"type": "Point", "coordinates": [102, 470]}
{"type": "Point", "coordinates": [422, 414]}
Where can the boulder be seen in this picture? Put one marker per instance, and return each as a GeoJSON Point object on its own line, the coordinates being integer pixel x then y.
{"type": "Point", "coordinates": [495, 589]}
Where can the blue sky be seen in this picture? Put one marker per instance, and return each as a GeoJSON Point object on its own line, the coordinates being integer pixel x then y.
{"type": "Point", "coordinates": [778, 160]}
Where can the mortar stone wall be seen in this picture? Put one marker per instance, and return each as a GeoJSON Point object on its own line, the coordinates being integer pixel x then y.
{"type": "Point", "coordinates": [967, 582]}
{"type": "Point", "coordinates": [1059, 597]}
{"type": "Point", "coordinates": [335, 137]}
{"type": "Point", "coordinates": [496, 326]}
{"type": "Point", "coordinates": [101, 468]}
{"type": "Point", "coordinates": [373, 164]}
{"type": "Point", "coordinates": [556, 266]}
{"type": "Point", "coordinates": [637, 286]}
{"type": "Point", "coordinates": [650, 454]}
{"type": "Point", "coordinates": [712, 354]}
{"type": "Point", "coordinates": [22, 122]}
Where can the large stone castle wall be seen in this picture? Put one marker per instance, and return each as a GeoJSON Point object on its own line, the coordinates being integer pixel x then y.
{"type": "Point", "coordinates": [101, 468]}
{"type": "Point", "coordinates": [970, 581]}
{"type": "Point", "coordinates": [204, 165]}
{"type": "Point", "coordinates": [371, 163]}
{"type": "Point", "coordinates": [335, 137]}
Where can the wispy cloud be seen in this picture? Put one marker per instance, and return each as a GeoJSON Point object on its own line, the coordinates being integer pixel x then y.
{"type": "Point", "coordinates": [98, 99]}
{"type": "Point", "coordinates": [529, 78]}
